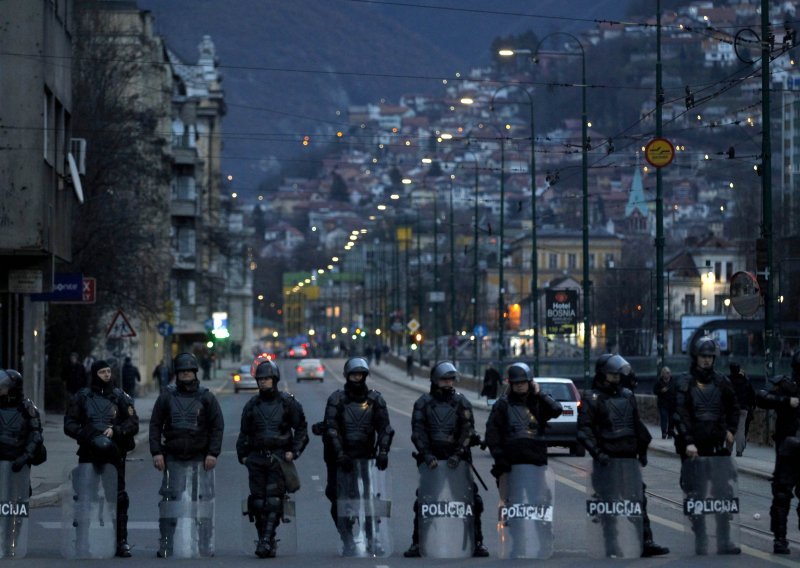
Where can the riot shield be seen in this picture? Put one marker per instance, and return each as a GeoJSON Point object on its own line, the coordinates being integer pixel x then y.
{"type": "Point", "coordinates": [446, 501]}
{"type": "Point", "coordinates": [14, 508]}
{"type": "Point", "coordinates": [89, 512]}
{"type": "Point", "coordinates": [186, 510]}
{"type": "Point", "coordinates": [363, 508]}
{"type": "Point", "coordinates": [525, 527]}
{"type": "Point", "coordinates": [711, 504]}
{"type": "Point", "coordinates": [614, 509]}
{"type": "Point", "coordinates": [286, 537]}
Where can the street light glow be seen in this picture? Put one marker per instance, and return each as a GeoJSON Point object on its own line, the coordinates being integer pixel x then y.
{"type": "Point", "coordinates": [424, 161]}
{"type": "Point", "coordinates": [447, 136]}
{"type": "Point", "coordinates": [394, 196]}
{"type": "Point", "coordinates": [406, 181]}
{"type": "Point", "coordinates": [467, 100]}
{"type": "Point", "coordinates": [335, 259]}
{"type": "Point", "coordinates": [330, 267]}
{"type": "Point", "coordinates": [505, 52]}
{"type": "Point", "coordinates": [381, 207]}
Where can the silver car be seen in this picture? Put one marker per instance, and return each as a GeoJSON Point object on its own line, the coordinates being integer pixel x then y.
{"type": "Point", "coordinates": [243, 379]}
{"type": "Point", "coordinates": [310, 369]}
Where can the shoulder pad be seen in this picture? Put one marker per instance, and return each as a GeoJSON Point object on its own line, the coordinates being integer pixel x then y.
{"type": "Point", "coordinates": [373, 394]}
{"type": "Point", "coordinates": [123, 395]}
{"type": "Point", "coordinates": [287, 396]}
{"type": "Point", "coordinates": [29, 407]}
{"type": "Point", "coordinates": [171, 389]}
{"type": "Point", "coordinates": [627, 393]}
{"type": "Point", "coordinates": [777, 380]}
{"type": "Point", "coordinates": [424, 398]}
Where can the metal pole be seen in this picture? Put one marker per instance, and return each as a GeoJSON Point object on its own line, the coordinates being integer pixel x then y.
{"type": "Point", "coordinates": [587, 347]}
{"type": "Point", "coordinates": [501, 295]}
{"type": "Point", "coordinates": [766, 192]}
{"type": "Point", "coordinates": [659, 203]}
{"type": "Point", "coordinates": [534, 253]}
{"type": "Point", "coordinates": [435, 275]}
{"type": "Point", "coordinates": [452, 273]}
{"type": "Point", "coordinates": [419, 282]}
{"type": "Point", "coordinates": [475, 290]}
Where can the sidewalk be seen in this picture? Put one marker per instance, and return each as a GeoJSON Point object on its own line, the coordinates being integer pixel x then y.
{"type": "Point", "coordinates": [758, 461]}
{"type": "Point", "coordinates": [48, 479]}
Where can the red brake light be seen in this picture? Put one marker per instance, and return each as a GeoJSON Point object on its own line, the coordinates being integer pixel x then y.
{"type": "Point", "coordinates": [579, 404]}
{"type": "Point", "coordinates": [321, 369]}
{"type": "Point", "coordinates": [299, 369]}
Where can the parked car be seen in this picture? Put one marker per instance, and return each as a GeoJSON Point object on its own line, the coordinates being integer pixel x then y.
{"type": "Point", "coordinates": [563, 431]}
{"type": "Point", "coordinates": [310, 369]}
{"type": "Point", "coordinates": [243, 378]}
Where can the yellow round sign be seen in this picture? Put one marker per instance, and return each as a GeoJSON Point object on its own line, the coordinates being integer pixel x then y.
{"type": "Point", "coordinates": [659, 152]}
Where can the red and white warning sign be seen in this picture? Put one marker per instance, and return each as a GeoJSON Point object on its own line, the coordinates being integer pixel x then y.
{"type": "Point", "coordinates": [120, 327]}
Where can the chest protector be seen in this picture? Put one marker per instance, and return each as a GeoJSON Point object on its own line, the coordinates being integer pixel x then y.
{"type": "Point", "coordinates": [442, 420]}
{"type": "Point", "coordinates": [522, 423]}
{"type": "Point", "coordinates": [707, 402]}
{"type": "Point", "coordinates": [268, 423]}
{"type": "Point", "coordinates": [185, 411]}
{"type": "Point", "coordinates": [13, 430]}
{"type": "Point", "coordinates": [619, 422]}
{"type": "Point", "coordinates": [101, 412]}
{"type": "Point", "coordinates": [357, 419]}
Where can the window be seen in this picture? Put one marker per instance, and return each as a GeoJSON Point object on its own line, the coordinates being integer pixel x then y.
{"type": "Point", "coordinates": [572, 260]}
{"type": "Point", "coordinates": [186, 241]}
{"type": "Point", "coordinates": [591, 261]}
{"type": "Point", "coordinates": [728, 271]}
{"type": "Point", "coordinates": [688, 304]}
{"type": "Point", "coordinates": [47, 115]}
{"type": "Point", "coordinates": [609, 259]}
{"type": "Point", "coordinates": [60, 152]}
{"type": "Point", "coordinates": [717, 271]}
{"type": "Point", "coordinates": [552, 261]}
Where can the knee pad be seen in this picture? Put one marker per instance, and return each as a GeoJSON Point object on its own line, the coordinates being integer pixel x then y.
{"type": "Point", "coordinates": [273, 504]}
{"type": "Point", "coordinates": [255, 505]}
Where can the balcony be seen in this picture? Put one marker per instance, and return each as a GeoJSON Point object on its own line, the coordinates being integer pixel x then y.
{"type": "Point", "coordinates": [184, 261]}
{"type": "Point", "coordinates": [183, 208]}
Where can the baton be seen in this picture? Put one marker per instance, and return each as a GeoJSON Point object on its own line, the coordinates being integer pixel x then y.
{"type": "Point", "coordinates": [478, 475]}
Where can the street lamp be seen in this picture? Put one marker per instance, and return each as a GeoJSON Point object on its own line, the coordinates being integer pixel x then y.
{"type": "Point", "coordinates": [534, 251]}
{"type": "Point", "coordinates": [585, 192]}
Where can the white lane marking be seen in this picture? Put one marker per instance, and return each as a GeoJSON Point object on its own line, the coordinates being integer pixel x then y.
{"type": "Point", "coordinates": [760, 554]}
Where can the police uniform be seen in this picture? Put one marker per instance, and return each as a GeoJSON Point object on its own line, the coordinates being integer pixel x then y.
{"type": "Point", "coordinates": [357, 427]}
{"type": "Point", "coordinates": [91, 411]}
{"type": "Point", "coordinates": [186, 426]}
{"type": "Point", "coordinates": [273, 424]}
{"type": "Point", "coordinates": [706, 410]}
{"type": "Point", "coordinates": [442, 429]}
{"type": "Point", "coordinates": [786, 477]}
{"type": "Point", "coordinates": [609, 426]}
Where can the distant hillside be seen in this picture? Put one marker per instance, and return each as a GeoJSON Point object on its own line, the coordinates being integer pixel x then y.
{"type": "Point", "coordinates": [275, 55]}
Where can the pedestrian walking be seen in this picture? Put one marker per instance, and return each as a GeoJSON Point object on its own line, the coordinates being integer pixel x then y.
{"type": "Point", "coordinates": [74, 375]}
{"type": "Point", "coordinates": [746, 398]}
{"type": "Point", "coordinates": [161, 374]}
{"type": "Point", "coordinates": [491, 382]}
{"type": "Point", "coordinates": [130, 377]}
{"type": "Point", "coordinates": [664, 389]}
{"type": "Point", "coordinates": [410, 365]}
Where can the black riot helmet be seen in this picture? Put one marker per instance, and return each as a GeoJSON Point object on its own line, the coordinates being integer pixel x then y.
{"type": "Point", "coordinates": [356, 365]}
{"type": "Point", "coordinates": [519, 373]}
{"type": "Point", "coordinates": [443, 370]}
{"type": "Point", "coordinates": [268, 370]}
{"type": "Point", "coordinates": [705, 346]}
{"type": "Point", "coordinates": [600, 364]}
{"type": "Point", "coordinates": [616, 365]}
{"type": "Point", "coordinates": [185, 362]}
{"type": "Point", "coordinates": [10, 387]}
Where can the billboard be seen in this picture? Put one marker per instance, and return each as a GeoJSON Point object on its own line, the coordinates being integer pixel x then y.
{"type": "Point", "coordinates": [561, 312]}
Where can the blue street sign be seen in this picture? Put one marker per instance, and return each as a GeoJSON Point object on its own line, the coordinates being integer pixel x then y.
{"type": "Point", "coordinates": [208, 324]}
{"type": "Point", "coordinates": [165, 329]}
{"type": "Point", "coordinates": [480, 330]}
{"type": "Point", "coordinates": [67, 287]}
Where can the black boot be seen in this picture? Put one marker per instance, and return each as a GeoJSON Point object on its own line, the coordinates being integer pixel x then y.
{"type": "Point", "coordinates": [780, 546]}
{"type": "Point", "coordinates": [346, 534]}
{"type": "Point", "coordinates": [650, 548]}
{"type": "Point", "coordinates": [263, 547]}
{"type": "Point", "coordinates": [166, 528]}
{"type": "Point", "coordinates": [700, 536]}
{"type": "Point", "coordinates": [413, 551]}
{"type": "Point", "coordinates": [123, 548]}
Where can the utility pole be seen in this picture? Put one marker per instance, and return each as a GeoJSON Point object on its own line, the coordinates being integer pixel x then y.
{"type": "Point", "coordinates": [659, 202]}
{"type": "Point", "coordinates": [766, 192]}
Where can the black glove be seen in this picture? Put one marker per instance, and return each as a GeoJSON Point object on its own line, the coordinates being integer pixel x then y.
{"type": "Point", "coordinates": [453, 461]}
{"type": "Point", "coordinates": [643, 459]}
{"type": "Point", "coordinates": [19, 463]}
{"type": "Point", "coordinates": [318, 428]}
{"type": "Point", "coordinates": [431, 461]}
{"type": "Point", "coordinates": [499, 468]}
{"type": "Point", "coordinates": [344, 462]}
{"type": "Point", "coordinates": [382, 461]}
{"type": "Point", "coordinates": [603, 459]}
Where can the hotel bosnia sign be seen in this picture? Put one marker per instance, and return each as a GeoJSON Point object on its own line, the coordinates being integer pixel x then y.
{"type": "Point", "coordinates": [561, 311]}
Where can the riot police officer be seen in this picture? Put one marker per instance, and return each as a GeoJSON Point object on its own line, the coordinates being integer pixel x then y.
{"type": "Point", "coordinates": [273, 432]}
{"type": "Point", "coordinates": [186, 426]}
{"type": "Point", "coordinates": [21, 440]}
{"type": "Point", "coordinates": [516, 424]}
{"type": "Point", "coordinates": [103, 420]}
{"type": "Point", "coordinates": [783, 396]}
{"type": "Point", "coordinates": [356, 427]}
{"type": "Point", "coordinates": [609, 426]}
{"type": "Point", "coordinates": [442, 430]}
{"type": "Point", "coordinates": [707, 416]}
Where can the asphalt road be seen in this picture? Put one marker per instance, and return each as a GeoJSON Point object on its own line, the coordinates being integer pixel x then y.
{"type": "Point", "coordinates": [317, 537]}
